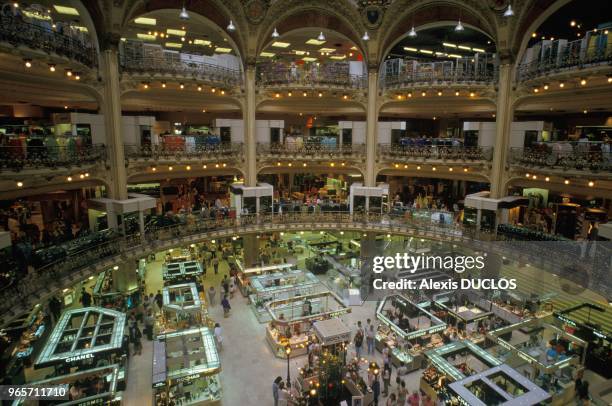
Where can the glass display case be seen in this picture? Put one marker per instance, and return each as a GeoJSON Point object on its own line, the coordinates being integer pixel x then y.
{"type": "Point", "coordinates": [244, 274]}
{"type": "Point", "coordinates": [86, 337]}
{"type": "Point", "coordinates": [181, 272]}
{"type": "Point", "coordinates": [186, 368]}
{"type": "Point", "coordinates": [182, 308]}
{"type": "Point", "coordinates": [344, 278]}
{"type": "Point", "coordinates": [292, 320]}
{"type": "Point", "coordinates": [407, 330]}
{"type": "Point", "coordinates": [279, 285]}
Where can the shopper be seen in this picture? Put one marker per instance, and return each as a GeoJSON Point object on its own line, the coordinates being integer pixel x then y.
{"type": "Point", "coordinates": [276, 389]}
{"type": "Point", "coordinates": [414, 399]}
{"type": "Point", "coordinates": [386, 376]}
{"type": "Point", "coordinates": [215, 263]}
{"type": "Point", "coordinates": [402, 370]}
{"type": "Point", "coordinates": [219, 335]}
{"type": "Point", "coordinates": [85, 298]}
{"type": "Point", "coordinates": [149, 321]}
{"type": "Point", "coordinates": [376, 390]}
{"type": "Point", "coordinates": [358, 342]}
{"type": "Point", "coordinates": [402, 393]}
{"type": "Point", "coordinates": [135, 338]}
{"type": "Point", "coordinates": [55, 307]}
{"type": "Point", "coordinates": [583, 394]}
{"type": "Point", "coordinates": [159, 299]}
{"type": "Point", "coordinates": [427, 401]}
{"type": "Point", "coordinates": [211, 295]}
{"type": "Point", "coordinates": [226, 306]}
{"type": "Point", "coordinates": [370, 336]}
{"type": "Point", "coordinates": [392, 400]}
{"type": "Point", "coordinates": [385, 355]}
{"type": "Point", "coordinates": [225, 285]}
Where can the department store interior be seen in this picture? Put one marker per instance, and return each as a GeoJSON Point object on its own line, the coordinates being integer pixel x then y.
{"type": "Point", "coordinates": [193, 194]}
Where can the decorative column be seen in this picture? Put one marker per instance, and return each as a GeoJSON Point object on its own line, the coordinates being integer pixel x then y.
{"type": "Point", "coordinates": [248, 114]}
{"type": "Point", "coordinates": [111, 107]}
{"type": "Point", "coordinates": [503, 123]}
{"type": "Point", "coordinates": [371, 123]}
{"type": "Point", "coordinates": [125, 277]}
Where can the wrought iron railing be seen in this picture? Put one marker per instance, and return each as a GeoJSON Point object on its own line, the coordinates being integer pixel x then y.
{"type": "Point", "coordinates": [16, 31]}
{"type": "Point", "coordinates": [559, 56]}
{"type": "Point", "coordinates": [16, 158]}
{"type": "Point", "coordinates": [309, 150]}
{"type": "Point", "coordinates": [79, 265]}
{"type": "Point", "coordinates": [202, 71]}
{"type": "Point", "coordinates": [325, 75]}
{"type": "Point", "coordinates": [178, 151]}
{"type": "Point", "coordinates": [434, 152]}
{"type": "Point", "coordinates": [398, 72]}
{"type": "Point", "coordinates": [574, 158]}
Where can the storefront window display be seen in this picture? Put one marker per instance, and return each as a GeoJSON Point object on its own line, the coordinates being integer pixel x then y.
{"type": "Point", "coordinates": [279, 285]}
{"type": "Point", "coordinates": [85, 338]}
{"type": "Point", "coordinates": [96, 386]}
{"type": "Point", "coordinates": [547, 354]}
{"type": "Point", "coordinates": [408, 330]}
{"type": "Point", "coordinates": [186, 368]}
{"type": "Point", "coordinates": [21, 341]}
{"type": "Point", "coordinates": [292, 320]}
{"type": "Point", "coordinates": [182, 308]}
{"type": "Point", "coordinates": [177, 272]}
{"type": "Point", "coordinates": [500, 385]}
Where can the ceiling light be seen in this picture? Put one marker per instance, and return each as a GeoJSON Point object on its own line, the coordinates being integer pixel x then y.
{"type": "Point", "coordinates": [19, 184]}
{"type": "Point", "coordinates": [145, 21]}
{"type": "Point", "coordinates": [321, 37]}
{"type": "Point", "coordinates": [309, 59]}
{"type": "Point", "coordinates": [409, 94]}
{"type": "Point", "coordinates": [231, 27]}
{"type": "Point", "coordinates": [164, 85]}
{"type": "Point", "coordinates": [289, 93]}
{"type": "Point", "coordinates": [465, 169]}
{"type": "Point", "coordinates": [610, 79]}
{"type": "Point", "coordinates": [314, 41]}
{"type": "Point", "coordinates": [267, 54]}
{"type": "Point", "coordinates": [68, 72]}
{"type": "Point", "coordinates": [434, 169]}
{"type": "Point", "coordinates": [561, 85]}
{"type": "Point", "coordinates": [472, 94]}
{"type": "Point", "coordinates": [509, 12]}
{"type": "Point", "coordinates": [545, 87]}
{"type": "Point", "coordinates": [566, 181]}
{"type": "Point", "coordinates": [65, 107]}
{"type": "Point", "coordinates": [28, 63]}
{"type": "Point", "coordinates": [412, 33]}
{"type": "Point", "coordinates": [439, 93]}
{"type": "Point", "coordinates": [585, 111]}
{"type": "Point", "coordinates": [447, 44]}
{"type": "Point", "coordinates": [572, 23]}
{"type": "Point", "coordinates": [338, 57]}
{"type": "Point", "coordinates": [547, 179]}
{"type": "Point", "coordinates": [71, 11]}
{"type": "Point", "coordinates": [182, 86]}
{"type": "Point", "coordinates": [222, 92]}
{"type": "Point", "coordinates": [534, 177]}
{"type": "Point", "coordinates": [425, 51]}
{"type": "Point", "coordinates": [178, 33]}
{"type": "Point", "coordinates": [145, 85]}
{"type": "Point", "coordinates": [326, 50]}
{"type": "Point", "coordinates": [174, 45]}
{"type": "Point", "coordinates": [275, 33]}
{"type": "Point", "coordinates": [184, 15]}
{"type": "Point", "coordinates": [298, 52]}
{"type": "Point", "coordinates": [143, 36]}
{"type": "Point", "coordinates": [320, 94]}
{"type": "Point", "coordinates": [583, 82]}
{"type": "Point", "coordinates": [423, 93]}
{"type": "Point", "coordinates": [201, 42]}
{"type": "Point", "coordinates": [464, 47]}
{"type": "Point", "coordinates": [199, 88]}
{"type": "Point", "coordinates": [457, 93]}
{"type": "Point", "coordinates": [203, 110]}
{"type": "Point", "coordinates": [214, 89]}
{"type": "Point", "coordinates": [459, 26]}
{"type": "Point", "coordinates": [279, 44]}
{"type": "Point", "coordinates": [52, 67]}
{"type": "Point", "coordinates": [223, 50]}
{"type": "Point", "coordinates": [478, 50]}
{"type": "Point", "coordinates": [69, 178]}
{"type": "Point", "coordinates": [170, 168]}
{"type": "Point", "coordinates": [366, 36]}
{"type": "Point", "coordinates": [591, 183]}
{"type": "Point", "coordinates": [277, 95]}
{"type": "Point", "coordinates": [410, 49]}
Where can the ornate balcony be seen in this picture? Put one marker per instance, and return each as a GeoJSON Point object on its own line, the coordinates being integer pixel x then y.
{"type": "Point", "coordinates": [323, 76]}
{"type": "Point", "coordinates": [183, 152]}
{"type": "Point", "coordinates": [435, 153]}
{"type": "Point", "coordinates": [560, 57]}
{"type": "Point", "coordinates": [18, 158]}
{"type": "Point", "coordinates": [310, 151]}
{"type": "Point", "coordinates": [399, 73]}
{"type": "Point", "coordinates": [160, 68]}
{"type": "Point", "coordinates": [18, 32]}
{"type": "Point", "coordinates": [573, 159]}
{"type": "Point", "coordinates": [78, 264]}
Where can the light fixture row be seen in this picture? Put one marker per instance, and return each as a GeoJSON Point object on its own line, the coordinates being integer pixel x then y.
{"type": "Point", "coordinates": [562, 84]}
{"type": "Point", "coordinates": [424, 93]}
{"type": "Point", "coordinates": [278, 95]}
{"type": "Point", "coordinates": [566, 181]}
{"type": "Point", "coordinates": [182, 86]}
{"type": "Point", "coordinates": [433, 168]}
{"type": "Point", "coordinates": [189, 167]}
{"type": "Point", "coordinates": [27, 62]}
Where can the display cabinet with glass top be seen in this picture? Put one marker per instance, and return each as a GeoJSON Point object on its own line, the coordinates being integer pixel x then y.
{"type": "Point", "coordinates": [279, 285]}
{"type": "Point", "coordinates": [86, 337]}
{"type": "Point", "coordinates": [186, 368]}
{"type": "Point", "coordinates": [244, 274]}
{"type": "Point", "coordinates": [181, 272]}
{"type": "Point", "coordinates": [182, 308]}
{"type": "Point", "coordinates": [96, 386]}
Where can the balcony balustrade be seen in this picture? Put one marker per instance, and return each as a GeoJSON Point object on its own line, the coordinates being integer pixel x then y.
{"type": "Point", "coordinates": [311, 151]}
{"type": "Point", "coordinates": [330, 75]}
{"type": "Point", "coordinates": [550, 57]}
{"type": "Point", "coordinates": [183, 151]}
{"type": "Point", "coordinates": [160, 66]}
{"type": "Point", "coordinates": [17, 158]}
{"type": "Point", "coordinates": [78, 264]}
{"type": "Point", "coordinates": [399, 73]}
{"type": "Point", "coordinates": [423, 153]}
{"type": "Point", "coordinates": [39, 34]}
{"type": "Point", "coordinates": [576, 158]}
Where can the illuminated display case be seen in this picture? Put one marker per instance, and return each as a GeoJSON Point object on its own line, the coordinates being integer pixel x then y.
{"type": "Point", "coordinates": [277, 286]}
{"type": "Point", "coordinates": [292, 320]}
{"type": "Point", "coordinates": [182, 308]}
{"type": "Point", "coordinates": [407, 329]}
{"type": "Point", "coordinates": [244, 274]}
{"type": "Point", "coordinates": [177, 272]}
{"type": "Point", "coordinates": [90, 336]}
{"type": "Point", "coordinates": [186, 368]}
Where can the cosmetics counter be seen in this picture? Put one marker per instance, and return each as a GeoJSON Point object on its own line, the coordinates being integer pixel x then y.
{"type": "Point", "coordinates": [548, 355]}
{"type": "Point", "coordinates": [465, 321]}
{"type": "Point", "coordinates": [178, 255]}
{"type": "Point", "coordinates": [513, 306]}
{"type": "Point", "coordinates": [186, 368]}
{"type": "Point", "coordinates": [181, 272]}
{"type": "Point", "coordinates": [105, 295]}
{"type": "Point", "coordinates": [244, 274]}
{"type": "Point", "coordinates": [21, 341]}
{"type": "Point", "coordinates": [408, 330]}
{"type": "Point", "coordinates": [344, 278]}
{"type": "Point", "coordinates": [85, 337]}
{"type": "Point", "coordinates": [183, 308]}
{"type": "Point", "coordinates": [96, 386]}
{"type": "Point", "coordinates": [292, 319]}
{"type": "Point", "coordinates": [277, 286]}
